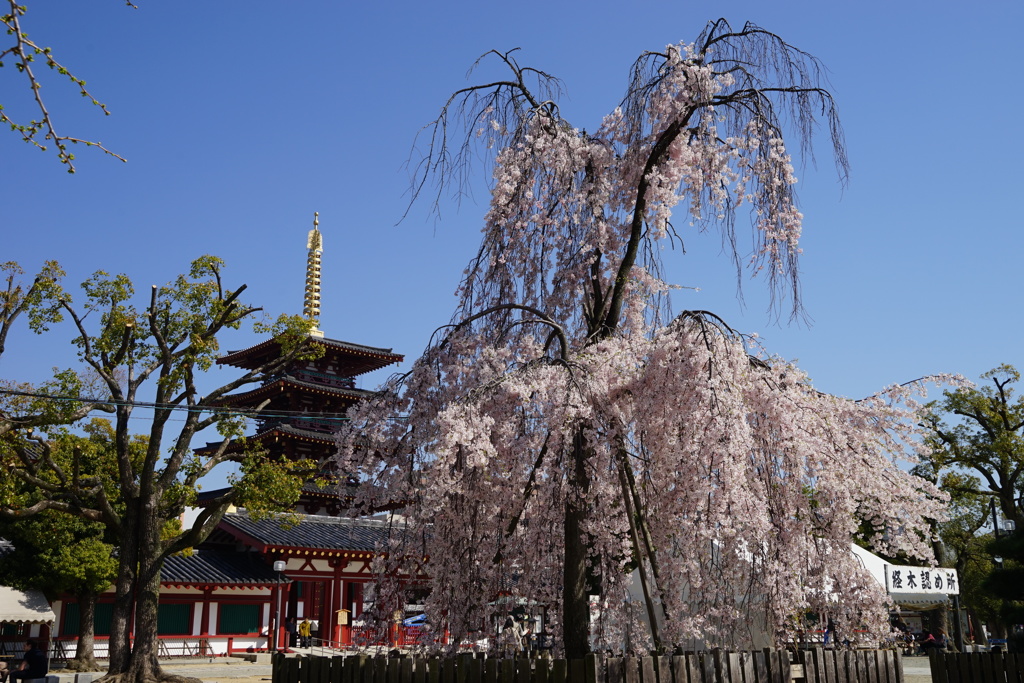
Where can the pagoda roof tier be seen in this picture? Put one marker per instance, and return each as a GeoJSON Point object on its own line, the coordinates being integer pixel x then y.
{"type": "Point", "coordinates": [355, 359]}
{"type": "Point", "coordinates": [282, 384]}
{"type": "Point", "coordinates": [281, 430]}
{"type": "Point", "coordinates": [312, 532]}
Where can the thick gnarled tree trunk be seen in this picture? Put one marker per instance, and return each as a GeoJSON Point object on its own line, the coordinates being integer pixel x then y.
{"type": "Point", "coordinates": [133, 658]}
{"type": "Point", "coordinates": [576, 593]}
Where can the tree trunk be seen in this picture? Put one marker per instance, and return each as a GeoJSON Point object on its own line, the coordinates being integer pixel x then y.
{"type": "Point", "coordinates": [575, 596]}
{"type": "Point", "coordinates": [640, 555]}
{"type": "Point", "coordinates": [85, 659]}
{"type": "Point", "coordinates": [137, 659]}
{"type": "Point", "coordinates": [143, 665]}
{"type": "Point", "coordinates": [124, 590]}
{"type": "Point", "coordinates": [938, 618]}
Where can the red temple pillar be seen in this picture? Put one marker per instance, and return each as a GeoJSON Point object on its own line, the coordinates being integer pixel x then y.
{"type": "Point", "coordinates": [282, 632]}
{"type": "Point", "coordinates": [326, 632]}
{"type": "Point", "coordinates": [337, 588]}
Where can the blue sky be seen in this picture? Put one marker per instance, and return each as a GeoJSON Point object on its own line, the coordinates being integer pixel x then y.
{"type": "Point", "coordinates": [240, 119]}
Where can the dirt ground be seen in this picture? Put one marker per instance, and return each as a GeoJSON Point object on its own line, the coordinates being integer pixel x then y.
{"type": "Point", "coordinates": [248, 679]}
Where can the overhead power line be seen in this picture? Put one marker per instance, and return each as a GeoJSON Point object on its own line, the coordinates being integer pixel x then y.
{"type": "Point", "coordinates": [185, 408]}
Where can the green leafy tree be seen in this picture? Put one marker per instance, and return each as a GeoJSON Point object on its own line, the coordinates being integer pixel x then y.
{"type": "Point", "coordinates": [77, 554]}
{"type": "Point", "coordinates": [1007, 579]}
{"type": "Point", "coordinates": [980, 430]}
{"type": "Point", "coordinates": [23, 405]}
{"type": "Point", "coordinates": [976, 443]}
{"type": "Point", "coordinates": [77, 560]}
{"type": "Point", "coordinates": [161, 347]}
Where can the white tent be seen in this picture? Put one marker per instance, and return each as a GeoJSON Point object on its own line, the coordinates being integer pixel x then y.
{"type": "Point", "coordinates": [29, 607]}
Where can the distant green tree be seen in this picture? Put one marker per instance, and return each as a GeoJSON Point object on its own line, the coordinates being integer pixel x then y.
{"type": "Point", "coordinates": [974, 563]}
{"type": "Point", "coordinates": [976, 440]}
{"type": "Point", "coordinates": [981, 431]}
{"type": "Point", "coordinates": [1007, 580]}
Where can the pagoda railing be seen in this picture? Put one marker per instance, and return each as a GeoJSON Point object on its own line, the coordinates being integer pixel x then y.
{"type": "Point", "coordinates": [312, 377]}
{"type": "Point", "coordinates": [325, 378]}
{"type": "Point", "coordinates": [310, 424]}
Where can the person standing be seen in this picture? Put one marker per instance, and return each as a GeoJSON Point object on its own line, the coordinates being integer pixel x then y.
{"type": "Point", "coordinates": [305, 633]}
{"type": "Point", "coordinates": [291, 627]}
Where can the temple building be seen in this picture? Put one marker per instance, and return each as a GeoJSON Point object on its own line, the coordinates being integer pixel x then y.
{"type": "Point", "coordinates": [253, 579]}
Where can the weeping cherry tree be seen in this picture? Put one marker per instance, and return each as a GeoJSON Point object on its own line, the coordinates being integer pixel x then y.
{"type": "Point", "coordinates": [566, 431]}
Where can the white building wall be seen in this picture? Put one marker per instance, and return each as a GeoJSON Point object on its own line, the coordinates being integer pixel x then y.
{"type": "Point", "coordinates": [197, 619]}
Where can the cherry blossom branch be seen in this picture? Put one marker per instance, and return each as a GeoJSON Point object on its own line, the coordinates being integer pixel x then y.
{"type": "Point", "coordinates": [556, 329]}
{"type": "Point", "coordinates": [509, 101]}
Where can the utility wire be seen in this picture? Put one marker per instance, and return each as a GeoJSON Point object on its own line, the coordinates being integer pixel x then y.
{"type": "Point", "coordinates": [340, 417]}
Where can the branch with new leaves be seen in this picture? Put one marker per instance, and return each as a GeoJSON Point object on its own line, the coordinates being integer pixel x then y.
{"type": "Point", "coordinates": [22, 52]}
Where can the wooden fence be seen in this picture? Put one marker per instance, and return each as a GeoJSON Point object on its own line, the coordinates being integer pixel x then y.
{"type": "Point", "coordinates": [976, 667]}
{"type": "Point", "coordinates": [766, 666]}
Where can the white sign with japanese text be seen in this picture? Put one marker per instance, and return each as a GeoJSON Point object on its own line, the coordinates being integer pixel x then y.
{"type": "Point", "coordinates": [903, 579]}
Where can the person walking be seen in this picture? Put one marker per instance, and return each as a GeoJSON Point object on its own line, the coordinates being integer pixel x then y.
{"type": "Point", "coordinates": [305, 633]}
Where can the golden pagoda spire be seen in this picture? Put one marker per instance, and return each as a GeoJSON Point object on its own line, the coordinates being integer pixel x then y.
{"type": "Point", "coordinates": [311, 305]}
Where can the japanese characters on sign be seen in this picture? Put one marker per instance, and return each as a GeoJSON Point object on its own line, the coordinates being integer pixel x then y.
{"type": "Point", "coordinates": [903, 579]}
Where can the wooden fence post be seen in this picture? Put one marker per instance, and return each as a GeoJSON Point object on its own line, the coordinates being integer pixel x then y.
{"type": "Point", "coordinates": [461, 665]}
{"type": "Point", "coordinates": [292, 669]}
{"type": "Point", "coordinates": [616, 670]}
{"type": "Point", "coordinates": [448, 670]}
{"type": "Point", "coordinates": [508, 671]}
{"type": "Point", "coordinates": [631, 669]}
{"type": "Point", "coordinates": [524, 670]}
{"type": "Point", "coordinates": [394, 670]}
{"type": "Point", "coordinates": [678, 662]}
{"type": "Point", "coordinates": [747, 665]}
{"type": "Point", "coordinates": [541, 670]}
{"type": "Point", "coordinates": [559, 671]}
{"type": "Point", "coordinates": [707, 668]}
{"type": "Point", "coordinates": [647, 673]}
{"type": "Point", "coordinates": [663, 669]}
{"type": "Point", "coordinates": [1013, 668]}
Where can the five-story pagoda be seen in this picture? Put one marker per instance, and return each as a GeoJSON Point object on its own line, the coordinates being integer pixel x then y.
{"type": "Point", "coordinates": [303, 406]}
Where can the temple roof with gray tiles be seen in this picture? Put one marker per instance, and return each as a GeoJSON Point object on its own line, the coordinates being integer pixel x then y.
{"type": "Point", "coordinates": [217, 566]}
{"type": "Point", "coordinates": [310, 532]}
